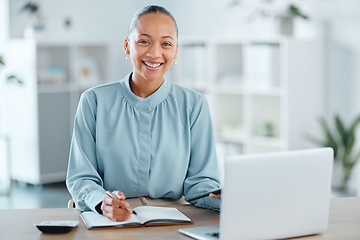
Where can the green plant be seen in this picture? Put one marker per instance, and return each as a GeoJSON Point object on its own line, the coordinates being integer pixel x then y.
{"type": "Point", "coordinates": [34, 10]}
{"type": "Point", "coordinates": [342, 141]}
{"type": "Point", "coordinates": [1, 61]}
{"type": "Point", "coordinates": [30, 7]}
{"type": "Point", "coordinates": [294, 11]}
{"type": "Point", "coordinates": [269, 8]}
{"type": "Point", "coordinates": [268, 129]}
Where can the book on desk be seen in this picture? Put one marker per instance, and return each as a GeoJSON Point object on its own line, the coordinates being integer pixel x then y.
{"type": "Point", "coordinates": [145, 216]}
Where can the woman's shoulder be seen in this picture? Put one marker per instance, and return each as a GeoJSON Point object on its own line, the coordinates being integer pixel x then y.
{"type": "Point", "coordinates": [188, 93]}
{"type": "Point", "coordinates": [104, 90]}
{"type": "Point", "coordinates": [189, 98]}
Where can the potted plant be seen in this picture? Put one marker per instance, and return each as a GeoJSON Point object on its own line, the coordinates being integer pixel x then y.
{"type": "Point", "coordinates": [286, 20]}
{"type": "Point", "coordinates": [294, 11]}
{"type": "Point", "coordinates": [342, 140]}
{"type": "Point", "coordinates": [283, 13]}
{"type": "Point", "coordinates": [33, 9]}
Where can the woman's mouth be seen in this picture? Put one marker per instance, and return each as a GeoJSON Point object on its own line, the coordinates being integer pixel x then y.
{"type": "Point", "coordinates": [152, 65]}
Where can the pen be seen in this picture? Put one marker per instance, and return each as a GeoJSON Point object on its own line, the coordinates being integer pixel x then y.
{"type": "Point", "coordinates": [110, 194]}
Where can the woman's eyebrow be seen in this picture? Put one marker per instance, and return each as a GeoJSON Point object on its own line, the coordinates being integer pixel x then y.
{"type": "Point", "coordinates": [144, 35]}
{"type": "Point", "coordinates": [147, 35]}
{"type": "Point", "coordinates": [168, 37]}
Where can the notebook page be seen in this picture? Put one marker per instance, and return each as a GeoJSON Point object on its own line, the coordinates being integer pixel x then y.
{"type": "Point", "coordinates": [167, 214]}
{"type": "Point", "coordinates": [96, 220]}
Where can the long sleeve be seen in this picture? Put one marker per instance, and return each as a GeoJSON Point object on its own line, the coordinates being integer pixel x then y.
{"type": "Point", "coordinates": [83, 180]}
{"type": "Point", "coordinates": [202, 174]}
{"type": "Point", "coordinates": [161, 146]}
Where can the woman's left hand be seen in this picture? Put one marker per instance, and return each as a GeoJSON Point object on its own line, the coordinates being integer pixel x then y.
{"type": "Point", "coordinates": [215, 195]}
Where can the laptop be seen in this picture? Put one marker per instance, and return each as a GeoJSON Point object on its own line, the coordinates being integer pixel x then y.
{"type": "Point", "coordinates": [273, 196]}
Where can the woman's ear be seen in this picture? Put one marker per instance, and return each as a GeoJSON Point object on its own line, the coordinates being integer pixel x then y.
{"type": "Point", "coordinates": [176, 51]}
{"type": "Point", "coordinates": [127, 46]}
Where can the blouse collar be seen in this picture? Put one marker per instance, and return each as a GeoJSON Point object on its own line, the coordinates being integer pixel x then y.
{"type": "Point", "coordinates": [148, 103]}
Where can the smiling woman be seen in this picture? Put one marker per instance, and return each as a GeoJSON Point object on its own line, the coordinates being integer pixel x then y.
{"type": "Point", "coordinates": [152, 46]}
{"type": "Point", "coordinates": [143, 136]}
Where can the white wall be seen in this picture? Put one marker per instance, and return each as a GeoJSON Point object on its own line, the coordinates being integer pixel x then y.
{"type": "Point", "coordinates": [338, 21]}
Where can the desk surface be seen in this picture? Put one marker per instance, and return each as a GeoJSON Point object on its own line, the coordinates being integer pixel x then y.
{"type": "Point", "coordinates": [344, 223]}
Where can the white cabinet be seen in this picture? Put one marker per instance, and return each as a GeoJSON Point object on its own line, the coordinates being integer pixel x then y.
{"type": "Point", "coordinates": [44, 82]}
{"type": "Point", "coordinates": [264, 94]}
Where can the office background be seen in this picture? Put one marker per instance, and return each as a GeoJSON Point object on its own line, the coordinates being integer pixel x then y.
{"type": "Point", "coordinates": [94, 27]}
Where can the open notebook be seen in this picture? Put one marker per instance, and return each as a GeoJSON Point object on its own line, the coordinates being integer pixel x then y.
{"type": "Point", "coordinates": [145, 216]}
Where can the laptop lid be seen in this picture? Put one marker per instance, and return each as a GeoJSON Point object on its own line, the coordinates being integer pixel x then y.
{"type": "Point", "coordinates": [276, 195]}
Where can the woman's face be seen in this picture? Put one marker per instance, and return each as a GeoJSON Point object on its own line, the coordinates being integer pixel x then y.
{"type": "Point", "coordinates": [152, 46]}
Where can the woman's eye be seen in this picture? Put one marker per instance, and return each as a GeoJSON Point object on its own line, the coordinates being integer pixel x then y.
{"type": "Point", "coordinates": [143, 42]}
{"type": "Point", "coordinates": [167, 44]}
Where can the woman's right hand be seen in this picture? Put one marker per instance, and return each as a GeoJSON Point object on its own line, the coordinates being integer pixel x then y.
{"type": "Point", "coordinates": [116, 209]}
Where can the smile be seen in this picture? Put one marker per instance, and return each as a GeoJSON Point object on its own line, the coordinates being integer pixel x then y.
{"type": "Point", "coordinates": [152, 65]}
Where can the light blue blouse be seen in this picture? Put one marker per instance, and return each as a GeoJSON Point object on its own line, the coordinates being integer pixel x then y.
{"type": "Point", "coordinates": [161, 146]}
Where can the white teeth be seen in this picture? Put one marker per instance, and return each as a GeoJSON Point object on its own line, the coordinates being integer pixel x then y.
{"type": "Point", "coordinates": [152, 65]}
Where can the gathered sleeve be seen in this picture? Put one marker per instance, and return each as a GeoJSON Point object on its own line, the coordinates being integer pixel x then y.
{"type": "Point", "coordinates": [83, 180]}
{"type": "Point", "coordinates": [202, 175]}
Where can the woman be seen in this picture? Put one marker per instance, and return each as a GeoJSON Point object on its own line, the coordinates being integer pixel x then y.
{"type": "Point", "coordinates": [143, 136]}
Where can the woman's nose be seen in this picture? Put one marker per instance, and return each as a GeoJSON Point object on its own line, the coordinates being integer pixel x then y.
{"type": "Point", "coordinates": [154, 51]}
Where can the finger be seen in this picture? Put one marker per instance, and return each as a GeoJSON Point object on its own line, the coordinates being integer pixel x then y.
{"type": "Point", "coordinates": [108, 200]}
{"type": "Point", "coordinates": [116, 203]}
{"type": "Point", "coordinates": [121, 214]}
{"type": "Point", "coordinates": [109, 215]}
{"type": "Point", "coordinates": [106, 208]}
{"type": "Point", "coordinates": [215, 195]}
{"type": "Point", "coordinates": [116, 214]}
{"type": "Point", "coordinates": [121, 204]}
{"type": "Point", "coordinates": [124, 217]}
{"type": "Point", "coordinates": [120, 195]}
{"type": "Point", "coordinates": [111, 212]}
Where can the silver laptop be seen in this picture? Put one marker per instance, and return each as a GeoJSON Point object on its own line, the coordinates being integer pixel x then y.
{"type": "Point", "coordinates": [273, 196]}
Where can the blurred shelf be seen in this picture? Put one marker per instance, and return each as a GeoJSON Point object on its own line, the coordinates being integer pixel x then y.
{"type": "Point", "coordinates": [259, 83]}
{"type": "Point", "coordinates": [54, 74]}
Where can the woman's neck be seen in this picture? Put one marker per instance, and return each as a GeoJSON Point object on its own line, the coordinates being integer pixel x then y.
{"type": "Point", "coordinates": [143, 88]}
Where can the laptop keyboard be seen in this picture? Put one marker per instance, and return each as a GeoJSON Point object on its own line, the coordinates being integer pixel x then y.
{"type": "Point", "coordinates": [214, 234]}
